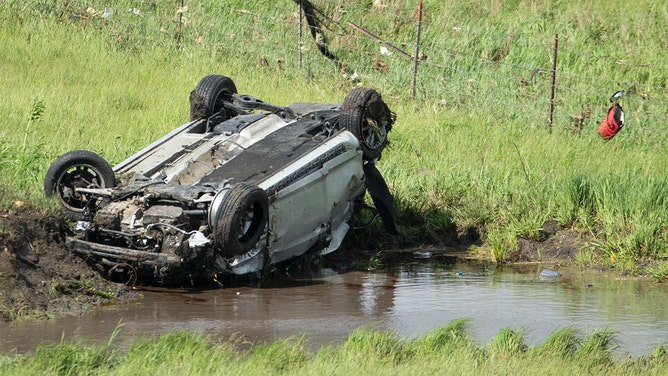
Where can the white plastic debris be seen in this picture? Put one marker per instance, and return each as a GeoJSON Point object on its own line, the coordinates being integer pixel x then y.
{"type": "Point", "coordinates": [108, 13]}
{"type": "Point", "coordinates": [197, 239]}
{"type": "Point", "coordinates": [549, 275]}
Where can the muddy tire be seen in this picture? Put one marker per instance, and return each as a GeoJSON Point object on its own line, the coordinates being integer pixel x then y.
{"type": "Point", "coordinates": [207, 98]}
{"type": "Point", "coordinates": [77, 169]}
{"type": "Point", "coordinates": [366, 115]}
{"type": "Point", "coordinates": [240, 219]}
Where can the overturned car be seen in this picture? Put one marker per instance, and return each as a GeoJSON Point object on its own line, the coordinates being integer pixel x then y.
{"type": "Point", "coordinates": [243, 185]}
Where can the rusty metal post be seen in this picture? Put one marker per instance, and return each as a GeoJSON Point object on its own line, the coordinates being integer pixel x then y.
{"type": "Point", "coordinates": [416, 54]}
{"type": "Point", "coordinates": [554, 79]}
{"type": "Point", "coordinates": [300, 32]}
{"type": "Point", "coordinates": [178, 25]}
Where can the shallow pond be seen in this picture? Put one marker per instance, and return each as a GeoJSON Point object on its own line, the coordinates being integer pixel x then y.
{"type": "Point", "coordinates": [419, 296]}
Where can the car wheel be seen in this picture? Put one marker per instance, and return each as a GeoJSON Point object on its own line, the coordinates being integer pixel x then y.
{"type": "Point", "coordinates": [366, 115]}
{"type": "Point", "coordinates": [207, 98]}
{"type": "Point", "coordinates": [241, 219]}
{"type": "Point", "coordinates": [77, 169]}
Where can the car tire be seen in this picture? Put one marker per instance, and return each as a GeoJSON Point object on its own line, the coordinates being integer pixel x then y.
{"type": "Point", "coordinates": [364, 113]}
{"type": "Point", "coordinates": [241, 219]}
{"type": "Point", "coordinates": [207, 98]}
{"type": "Point", "coordinates": [77, 169]}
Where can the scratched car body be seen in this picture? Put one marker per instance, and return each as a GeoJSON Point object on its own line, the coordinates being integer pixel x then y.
{"type": "Point", "coordinates": [243, 185]}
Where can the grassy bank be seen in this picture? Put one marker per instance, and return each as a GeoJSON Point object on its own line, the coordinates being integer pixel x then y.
{"type": "Point", "coordinates": [447, 350]}
{"type": "Point", "coordinates": [472, 150]}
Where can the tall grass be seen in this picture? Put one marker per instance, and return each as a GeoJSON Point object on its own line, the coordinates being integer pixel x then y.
{"type": "Point", "coordinates": [445, 350]}
{"type": "Point", "coordinates": [473, 151]}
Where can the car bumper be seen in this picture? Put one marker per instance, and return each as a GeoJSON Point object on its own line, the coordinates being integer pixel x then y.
{"type": "Point", "coordinates": [117, 254]}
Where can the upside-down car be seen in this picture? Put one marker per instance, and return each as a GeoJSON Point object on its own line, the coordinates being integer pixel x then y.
{"type": "Point", "coordinates": [243, 185]}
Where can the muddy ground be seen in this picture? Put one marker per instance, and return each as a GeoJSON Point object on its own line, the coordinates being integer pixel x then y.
{"type": "Point", "coordinates": [40, 278]}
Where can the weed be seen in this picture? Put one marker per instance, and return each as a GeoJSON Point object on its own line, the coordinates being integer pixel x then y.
{"type": "Point", "coordinates": [658, 271]}
{"type": "Point", "coordinates": [59, 287]}
{"type": "Point", "coordinates": [503, 242]}
{"type": "Point", "coordinates": [596, 349]}
{"type": "Point", "coordinates": [36, 111]}
{"type": "Point", "coordinates": [563, 342]}
{"type": "Point", "coordinates": [375, 262]}
{"type": "Point", "coordinates": [508, 342]}
{"type": "Point", "coordinates": [446, 349]}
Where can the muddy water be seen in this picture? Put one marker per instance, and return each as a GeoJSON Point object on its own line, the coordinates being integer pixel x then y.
{"type": "Point", "coordinates": [418, 297]}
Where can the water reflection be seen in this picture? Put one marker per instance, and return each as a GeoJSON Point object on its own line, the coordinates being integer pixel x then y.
{"type": "Point", "coordinates": [420, 296]}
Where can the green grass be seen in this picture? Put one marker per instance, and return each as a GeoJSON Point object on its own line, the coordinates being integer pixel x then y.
{"type": "Point", "coordinates": [445, 350]}
{"type": "Point", "coordinates": [471, 151]}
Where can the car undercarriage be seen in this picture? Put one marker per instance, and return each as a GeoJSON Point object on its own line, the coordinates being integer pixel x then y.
{"type": "Point", "coordinates": [242, 186]}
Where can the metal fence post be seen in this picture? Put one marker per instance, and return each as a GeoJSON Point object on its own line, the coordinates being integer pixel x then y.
{"type": "Point", "coordinates": [300, 34]}
{"type": "Point", "coordinates": [178, 25]}
{"type": "Point", "coordinates": [416, 57]}
{"type": "Point", "coordinates": [554, 79]}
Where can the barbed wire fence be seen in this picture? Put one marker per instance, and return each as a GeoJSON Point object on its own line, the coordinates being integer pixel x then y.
{"type": "Point", "coordinates": [449, 69]}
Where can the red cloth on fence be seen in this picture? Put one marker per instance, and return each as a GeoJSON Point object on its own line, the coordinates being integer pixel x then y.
{"type": "Point", "coordinates": [613, 123]}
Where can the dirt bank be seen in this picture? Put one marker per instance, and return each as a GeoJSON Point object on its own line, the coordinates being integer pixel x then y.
{"type": "Point", "coordinates": [39, 277]}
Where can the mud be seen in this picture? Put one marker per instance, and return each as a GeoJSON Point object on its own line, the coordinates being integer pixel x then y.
{"type": "Point", "coordinates": [40, 277]}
